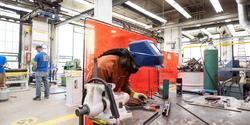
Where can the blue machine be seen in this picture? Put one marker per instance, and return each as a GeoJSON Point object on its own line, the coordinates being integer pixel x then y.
{"type": "Point", "coordinates": [145, 53]}
{"type": "Point", "coordinates": [224, 74]}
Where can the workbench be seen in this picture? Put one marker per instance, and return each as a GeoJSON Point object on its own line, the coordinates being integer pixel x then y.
{"type": "Point", "coordinates": [179, 116]}
{"type": "Point", "coordinates": [17, 77]}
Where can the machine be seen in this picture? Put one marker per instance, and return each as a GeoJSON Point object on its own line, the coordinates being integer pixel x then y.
{"type": "Point", "coordinates": [73, 65]}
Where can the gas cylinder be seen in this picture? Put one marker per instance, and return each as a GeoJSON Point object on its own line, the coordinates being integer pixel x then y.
{"type": "Point", "coordinates": [210, 65]}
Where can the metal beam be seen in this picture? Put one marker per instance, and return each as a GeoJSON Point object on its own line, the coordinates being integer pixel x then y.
{"type": "Point", "coordinates": [118, 2]}
{"type": "Point", "coordinates": [187, 24]}
{"type": "Point", "coordinates": [211, 25]}
{"type": "Point", "coordinates": [74, 18]}
{"type": "Point", "coordinates": [81, 15]}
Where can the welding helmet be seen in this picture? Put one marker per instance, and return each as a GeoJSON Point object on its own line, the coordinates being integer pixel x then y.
{"type": "Point", "coordinates": [145, 53]}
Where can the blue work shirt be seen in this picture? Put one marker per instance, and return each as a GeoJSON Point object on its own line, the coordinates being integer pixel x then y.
{"type": "Point", "coordinates": [3, 60]}
{"type": "Point", "coordinates": [42, 60]}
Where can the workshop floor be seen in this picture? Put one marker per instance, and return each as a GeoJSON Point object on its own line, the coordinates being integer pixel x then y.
{"type": "Point", "coordinates": [22, 110]}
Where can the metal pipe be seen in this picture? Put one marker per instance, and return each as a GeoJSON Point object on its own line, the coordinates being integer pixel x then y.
{"type": "Point", "coordinates": [193, 114]}
{"type": "Point", "coordinates": [243, 14]}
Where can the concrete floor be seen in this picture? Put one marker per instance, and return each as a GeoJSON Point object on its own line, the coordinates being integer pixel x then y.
{"type": "Point", "coordinates": [20, 109]}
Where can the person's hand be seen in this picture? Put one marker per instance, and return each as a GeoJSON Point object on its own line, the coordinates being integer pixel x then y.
{"type": "Point", "coordinates": [140, 96]}
{"type": "Point", "coordinates": [247, 99]}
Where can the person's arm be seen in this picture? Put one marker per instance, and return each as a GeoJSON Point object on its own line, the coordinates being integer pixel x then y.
{"type": "Point", "coordinates": [126, 88]}
{"type": "Point", "coordinates": [5, 65]}
{"type": "Point", "coordinates": [35, 62]}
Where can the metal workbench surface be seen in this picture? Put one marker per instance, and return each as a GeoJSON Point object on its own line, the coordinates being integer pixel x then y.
{"type": "Point", "coordinates": [178, 116]}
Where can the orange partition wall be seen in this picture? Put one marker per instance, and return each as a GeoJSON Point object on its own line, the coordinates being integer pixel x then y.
{"type": "Point", "coordinates": [100, 37]}
{"type": "Point", "coordinates": [169, 71]}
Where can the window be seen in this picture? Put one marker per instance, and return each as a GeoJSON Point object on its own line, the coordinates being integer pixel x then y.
{"type": "Point", "coordinates": [9, 42]}
{"type": "Point", "coordinates": [70, 41]}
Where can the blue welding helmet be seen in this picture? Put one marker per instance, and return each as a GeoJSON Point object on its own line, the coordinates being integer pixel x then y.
{"type": "Point", "coordinates": [145, 53]}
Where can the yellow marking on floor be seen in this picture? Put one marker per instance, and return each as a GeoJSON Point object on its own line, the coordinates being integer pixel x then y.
{"type": "Point", "coordinates": [25, 121]}
{"type": "Point", "coordinates": [58, 120]}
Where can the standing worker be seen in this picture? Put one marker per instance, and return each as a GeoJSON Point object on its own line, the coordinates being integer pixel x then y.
{"type": "Point", "coordinates": [41, 69]}
{"type": "Point", "coordinates": [3, 64]}
{"type": "Point", "coordinates": [116, 65]}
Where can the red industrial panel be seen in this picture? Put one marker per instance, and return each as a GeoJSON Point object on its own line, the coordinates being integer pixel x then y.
{"type": "Point", "coordinates": [169, 71]}
{"type": "Point", "coordinates": [100, 37]}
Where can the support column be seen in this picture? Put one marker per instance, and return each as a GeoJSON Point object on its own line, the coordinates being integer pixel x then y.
{"type": "Point", "coordinates": [53, 45]}
{"type": "Point", "coordinates": [103, 10]}
{"type": "Point", "coordinates": [172, 41]}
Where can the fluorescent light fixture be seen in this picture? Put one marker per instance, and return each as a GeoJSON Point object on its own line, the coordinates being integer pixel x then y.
{"type": "Point", "coordinates": [70, 12]}
{"type": "Point", "coordinates": [61, 18]}
{"type": "Point", "coordinates": [142, 10]}
{"type": "Point", "coordinates": [131, 20]}
{"type": "Point", "coordinates": [206, 32]}
{"type": "Point", "coordinates": [15, 7]}
{"type": "Point", "coordinates": [179, 8]}
{"type": "Point", "coordinates": [77, 23]}
{"type": "Point", "coordinates": [187, 35]}
{"type": "Point", "coordinates": [228, 20]}
{"type": "Point", "coordinates": [85, 3]}
{"type": "Point", "coordinates": [9, 14]}
{"type": "Point", "coordinates": [217, 6]}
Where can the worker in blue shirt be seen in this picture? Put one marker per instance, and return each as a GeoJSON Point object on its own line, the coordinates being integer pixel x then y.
{"type": "Point", "coordinates": [41, 68]}
{"type": "Point", "coordinates": [3, 64]}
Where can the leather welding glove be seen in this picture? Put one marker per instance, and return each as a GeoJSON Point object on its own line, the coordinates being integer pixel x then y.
{"type": "Point", "coordinates": [140, 96]}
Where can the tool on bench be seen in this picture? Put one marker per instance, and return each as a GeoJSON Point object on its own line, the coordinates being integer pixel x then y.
{"type": "Point", "coordinates": [152, 108]}
{"type": "Point", "coordinates": [193, 92]}
{"type": "Point", "coordinates": [166, 108]}
{"type": "Point", "coordinates": [151, 119]}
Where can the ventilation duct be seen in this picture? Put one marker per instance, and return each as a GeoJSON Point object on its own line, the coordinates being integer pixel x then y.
{"type": "Point", "coordinates": [243, 14]}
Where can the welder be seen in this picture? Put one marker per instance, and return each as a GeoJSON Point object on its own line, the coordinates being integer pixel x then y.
{"type": "Point", "coordinates": [116, 65]}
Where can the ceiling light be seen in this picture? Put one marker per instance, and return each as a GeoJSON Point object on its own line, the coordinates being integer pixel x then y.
{"type": "Point", "coordinates": [131, 20]}
{"type": "Point", "coordinates": [217, 6]}
{"type": "Point", "coordinates": [3, 18]}
{"type": "Point", "coordinates": [77, 23]}
{"type": "Point", "coordinates": [9, 14]}
{"type": "Point", "coordinates": [142, 10]}
{"type": "Point", "coordinates": [84, 2]}
{"type": "Point", "coordinates": [15, 7]}
{"type": "Point", "coordinates": [228, 20]}
{"type": "Point", "coordinates": [206, 32]}
{"type": "Point", "coordinates": [179, 8]}
{"type": "Point", "coordinates": [187, 35]}
{"type": "Point", "coordinates": [71, 12]}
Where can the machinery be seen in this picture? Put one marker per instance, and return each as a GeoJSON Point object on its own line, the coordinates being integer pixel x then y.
{"type": "Point", "coordinates": [73, 65]}
{"type": "Point", "coordinates": [17, 79]}
{"type": "Point", "coordinates": [69, 68]}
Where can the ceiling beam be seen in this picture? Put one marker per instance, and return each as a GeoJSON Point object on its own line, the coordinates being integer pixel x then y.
{"type": "Point", "coordinates": [221, 17]}
{"type": "Point", "coordinates": [74, 18]}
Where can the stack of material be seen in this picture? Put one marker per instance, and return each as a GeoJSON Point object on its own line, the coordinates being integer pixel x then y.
{"type": "Point", "coordinates": [192, 65]}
